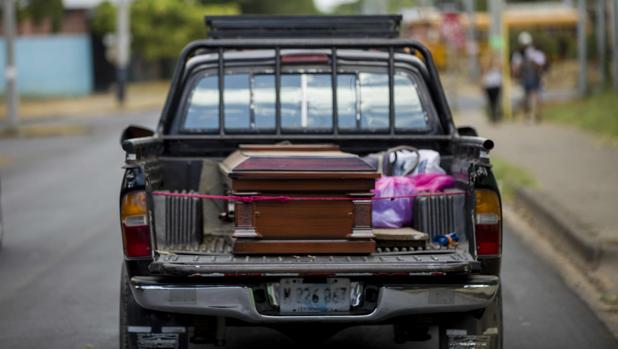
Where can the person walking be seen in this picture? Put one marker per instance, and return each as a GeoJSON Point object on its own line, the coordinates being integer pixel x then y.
{"type": "Point", "coordinates": [528, 64]}
{"type": "Point", "coordinates": [492, 85]}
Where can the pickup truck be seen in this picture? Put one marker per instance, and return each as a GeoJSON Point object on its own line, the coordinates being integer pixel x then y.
{"type": "Point", "coordinates": [349, 82]}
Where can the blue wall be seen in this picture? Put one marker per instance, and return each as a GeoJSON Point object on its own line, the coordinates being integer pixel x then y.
{"type": "Point", "coordinates": [55, 65]}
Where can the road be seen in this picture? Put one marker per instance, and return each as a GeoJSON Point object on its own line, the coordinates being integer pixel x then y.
{"type": "Point", "coordinates": [60, 264]}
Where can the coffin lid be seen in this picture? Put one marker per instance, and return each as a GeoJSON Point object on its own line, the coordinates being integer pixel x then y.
{"type": "Point", "coordinates": [298, 158]}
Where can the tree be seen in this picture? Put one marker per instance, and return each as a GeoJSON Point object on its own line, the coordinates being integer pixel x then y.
{"type": "Point", "coordinates": [104, 19]}
{"type": "Point", "coordinates": [161, 28]}
{"type": "Point", "coordinates": [278, 7]}
{"type": "Point", "coordinates": [39, 10]}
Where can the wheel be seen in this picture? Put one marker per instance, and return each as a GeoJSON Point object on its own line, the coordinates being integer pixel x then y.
{"type": "Point", "coordinates": [499, 322]}
{"type": "Point", "coordinates": [124, 295]}
{"type": "Point", "coordinates": [1, 229]}
{"type": "Point", "coordinates": [131, 313]}
{"type": "Point", "coordinates": [486, 322]}
{"type": "Point", "coordinates": [491, 321]}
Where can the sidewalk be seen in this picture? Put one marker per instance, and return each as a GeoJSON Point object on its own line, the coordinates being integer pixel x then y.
{"type": "Point", "coordinates": [66, 116]}
{"type": "Point", "coordinates": [140, 96]}
{"type": "Point", "coordinates": [577, 182]}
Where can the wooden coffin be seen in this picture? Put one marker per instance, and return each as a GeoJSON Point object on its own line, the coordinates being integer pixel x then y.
{"type": "Point", "coordinates": [301, 226]}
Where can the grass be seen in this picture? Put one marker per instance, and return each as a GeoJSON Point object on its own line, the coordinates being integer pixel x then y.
{"type": "Point", "coordinates": [510, 176]}
{"type": "Point", "coordinates": [596, 113]}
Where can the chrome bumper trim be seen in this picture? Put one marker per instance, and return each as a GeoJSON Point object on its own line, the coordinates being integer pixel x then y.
{"type": "Point", "coordinates": [237, 301]}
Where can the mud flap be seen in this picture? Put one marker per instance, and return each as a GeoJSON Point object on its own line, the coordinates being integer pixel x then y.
{"type": "Point", "coordinates": [483, 329]}
{"type": "Point", "coordinates": [159, 340]}
{"type": "Point", "coordinates": [146, 329]}
{"type": "Point", "coordinates": [165, 337]}
{"type": "Point", "coordinates": [459, 339]}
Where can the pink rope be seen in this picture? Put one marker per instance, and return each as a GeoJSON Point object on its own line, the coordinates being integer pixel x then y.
{"type": "Point", "coordinates": [284, 198]}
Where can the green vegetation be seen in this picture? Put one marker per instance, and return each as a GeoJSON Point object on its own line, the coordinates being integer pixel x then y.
{"type": "Point", "coordinates": [596, 113]}
{"type": "Point", "coordinates": [276, 7]}
{"type": "Point", "coordinates": [390, 6]}
{"type": "Point", "coordinates": [161, 28]}
{"type": "Point", "coordinates": [37, 11]}
{"type": "Point", "coordinates": [510, 176]}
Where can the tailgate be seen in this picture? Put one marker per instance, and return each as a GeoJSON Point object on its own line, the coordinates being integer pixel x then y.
{"type": "Point", "coordinates": [418, 263]}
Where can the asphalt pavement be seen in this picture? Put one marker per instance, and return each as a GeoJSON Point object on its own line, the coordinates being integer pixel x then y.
{"type": "Point", "coordinates": [60, 263]}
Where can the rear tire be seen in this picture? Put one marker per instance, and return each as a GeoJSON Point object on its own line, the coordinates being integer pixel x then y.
{"type": "Point", "coordinates": [484, 322]}
{"type": "Point", "coordinates": [1, 228]}
{"type": "Point", "coordinates": [131, 314]}
{"type": "Point", "coordinates": [500, 323]}
{"type": "Point", "coordinates": [492, 318]}
{"type": "Point", "coordinates": [124, 290]}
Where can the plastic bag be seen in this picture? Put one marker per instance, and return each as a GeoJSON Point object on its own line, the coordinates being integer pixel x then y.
{"type": "Point", "coordinates": [393, 213]}
{"type": "Point", "coordinates": [397, 213]}
{"type": "Point", "coordinates": [403, 160]}
{"type": "Point", "coordinates": [429, 163]}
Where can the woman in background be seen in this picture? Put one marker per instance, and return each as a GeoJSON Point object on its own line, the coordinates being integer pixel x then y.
{"type": "Point", "coordinates": [528, 64]}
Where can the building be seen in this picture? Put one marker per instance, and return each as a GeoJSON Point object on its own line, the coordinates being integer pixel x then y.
{"type": "Point", "coordinates": [54, 63]}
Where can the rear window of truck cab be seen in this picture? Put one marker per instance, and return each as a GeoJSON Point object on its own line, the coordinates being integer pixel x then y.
{"type": "Point", "coordinates": [307, 102]}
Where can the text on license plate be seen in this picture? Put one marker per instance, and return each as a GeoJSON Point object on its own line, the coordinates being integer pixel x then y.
{"type": "Point", "coordinates": [298, 297]}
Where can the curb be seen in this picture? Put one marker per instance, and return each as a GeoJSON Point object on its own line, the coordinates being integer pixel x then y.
{"type": "Point", "coordinates": [35, 130]}
{"type": "Point", "coordinates": [583, 283]}
{"type": "Point", "coordinates": [561, 227]}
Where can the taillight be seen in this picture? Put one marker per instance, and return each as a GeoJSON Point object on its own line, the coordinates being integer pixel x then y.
{"type": "Point", "coordinates": [488, 223]}
{"type": "Point", "coordinates": [134, 222]}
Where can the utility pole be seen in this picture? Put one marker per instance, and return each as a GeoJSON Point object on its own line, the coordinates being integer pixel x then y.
{"type": "Point", "coordinates": [495, 13]}
{"type": "Point", "coordinates": [472, 45]}
{"type": "Point", "coordinates": [123, 40]}
{"type": "Point", "coordinates": [615, 42]}
{"type": "Point", "coordinates": [582, 84]}
{"type": "Point", "coordinates": [10, 71]}
{"type": "Point", "coordinates": [601, 41]}
{"type": "Point", "coordinates": [374, 7]}
{"type": "Point", "coordinates": [498, 42]}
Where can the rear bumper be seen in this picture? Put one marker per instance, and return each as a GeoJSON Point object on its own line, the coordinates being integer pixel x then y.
{"type": "Point", "coordinates": [237, 301]}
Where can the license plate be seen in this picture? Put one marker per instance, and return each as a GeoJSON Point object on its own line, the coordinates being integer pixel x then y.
{"type": "Point", "coordinates": [298, 297]}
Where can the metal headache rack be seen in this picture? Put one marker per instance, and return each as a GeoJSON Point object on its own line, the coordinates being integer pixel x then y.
{"type": "Point", "coordinates": [222, 143]}
{"type": "Point", "coordinates": [330, 43]}
{"type": "Point", "coordinates": [391, 47]}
